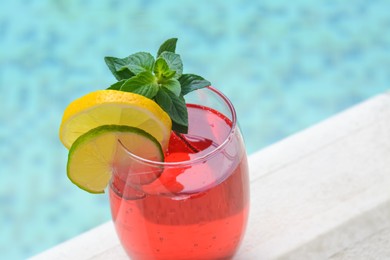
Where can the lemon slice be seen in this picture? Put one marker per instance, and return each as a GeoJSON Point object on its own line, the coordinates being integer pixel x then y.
{"type": "Point", "coordinates": [106, 107]}
{"type": "Point", "coordinates": [97, 154]}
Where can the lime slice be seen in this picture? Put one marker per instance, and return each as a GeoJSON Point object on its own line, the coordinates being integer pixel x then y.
{"type": "Point", "coordinates": [100, 152]}
{"type": "Point", "coordinates": [112, 107]}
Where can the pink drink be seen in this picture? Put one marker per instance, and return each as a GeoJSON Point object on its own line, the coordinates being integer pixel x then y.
{"type": "Point", "coordinates": [197, 208]}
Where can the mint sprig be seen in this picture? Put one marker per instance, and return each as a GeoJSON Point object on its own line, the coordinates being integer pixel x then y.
{"type": "Point", "coordinates": [160, 79]}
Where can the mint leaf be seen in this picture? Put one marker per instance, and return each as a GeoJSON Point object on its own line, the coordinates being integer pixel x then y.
{"type": "Point", "coordinates": [191, 82]}
{"type": "Point", "coordinates": [179, 128]}
{"type": "Point", "coordinates": [172, 85]}
{"type": "Point", "coordinates": [132, 65]}
{"type": "Point", "coordinates": [160, 79]}
{"type": "Point", "coordinates": [174, 62]}
{"type": "Point", "coordinates": [162, 70]}
{"type": "Point", "coordinates": [144, 83]}
{"type": "Point", "coordinates": [117, 85]}
{"type": "Point", "coordinates": [115, 64]}
{"type": "Point", "coordinates": [164, 76]}
{"type": "Point", "coordinates": [175, 107]}
{"type": "Point", "coordinates": [139, 62]}
{"type": "Point", "coordinates": [169, 74]}
{"type": "Point", "coordinates": [168, 45]}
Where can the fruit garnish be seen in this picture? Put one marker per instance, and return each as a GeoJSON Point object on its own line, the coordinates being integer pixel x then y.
{"type": "Point", "coordinates": [106, 107]}
{"type": "Point", "coordinates": [93, 157]}
{"type": "Point", "coordinates": [137, 113]}
{"type": "Point", "coordinates": [161, 79]}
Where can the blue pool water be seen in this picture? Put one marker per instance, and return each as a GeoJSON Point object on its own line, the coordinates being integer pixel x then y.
{"type": "Point", "coordinates": [285, 67]}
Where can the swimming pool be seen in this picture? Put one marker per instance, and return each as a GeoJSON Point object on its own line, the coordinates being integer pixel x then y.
{"type": "Point", "coordinates": [285, 67]}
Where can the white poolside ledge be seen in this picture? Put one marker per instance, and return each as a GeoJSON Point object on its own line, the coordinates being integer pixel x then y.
{"type": "Point", "coordinates": [323, 193]}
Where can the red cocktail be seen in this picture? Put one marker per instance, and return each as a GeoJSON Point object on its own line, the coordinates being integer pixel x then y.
{"type": "Point", "coordinates": [176, 167]}
{"type": "Point", "coordinates": [194, 205]}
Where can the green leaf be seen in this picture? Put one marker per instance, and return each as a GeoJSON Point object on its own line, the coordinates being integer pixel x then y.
{"type": "Point", "coordinates": [161, 80]}
{"type": "Point", "coordinates": [174, 62]}
{"type": "Point", "coordinates": [117, 85]}
{"type": "Point", "coordinates": [168, 45]}
{"type": "Point", "coordinates": [172, 85]}
{"type": "Point", "coordinates": [169, 74]}
{"type": "Point", "coordinates": [144, 83]}
{"type": "Point", "coordinates": [139, 62]}
{"type": "Point", "coordinates": [162, 70]}
{"type": "Point", "coordinates": [175, 107]}
{"type": "Point", "coordinates": [179, 128]}
{"type": "Point", "coordinates": [191, 82]}
{"type": "Point", "coordinates": [115, 64]}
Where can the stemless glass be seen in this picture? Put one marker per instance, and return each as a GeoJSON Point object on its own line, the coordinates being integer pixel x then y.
{"type": "Point", "coordinates": [195, 204]}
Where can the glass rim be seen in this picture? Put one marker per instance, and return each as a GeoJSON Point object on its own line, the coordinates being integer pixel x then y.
{"type": "Point", "coordinates": [201, 158]}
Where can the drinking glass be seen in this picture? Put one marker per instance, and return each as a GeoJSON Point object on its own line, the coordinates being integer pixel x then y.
{"type": "Point", "coordinates": [195, 204]}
